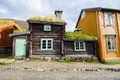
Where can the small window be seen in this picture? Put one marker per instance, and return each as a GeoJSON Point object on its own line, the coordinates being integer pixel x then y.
{"type": "Point", "coordinates": [46, 44]}
{"type": "Point", "coordinates": [111, 42]}
{"type": "Point", "coordinates": [108, 18]}
{"type": "Point", "coordinates": [79, 46]}
{"type": "Point", "coordinates": [47, 27]}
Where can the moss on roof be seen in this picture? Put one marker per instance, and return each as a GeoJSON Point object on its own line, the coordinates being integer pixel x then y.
{"type": "Point", "coordinates": [45, 18]}
{"type": "Point", "coordinates": [79, 36]}
{"type": "Point", "coordinates": [5, 22]}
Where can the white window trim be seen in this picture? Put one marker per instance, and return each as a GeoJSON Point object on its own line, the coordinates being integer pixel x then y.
{"type": "Point", "coordinates": [46, 39]}
{"type": "Point", "coordinates": [84, 48]}
{"type": "Point", "coordinates": [47, 27]}
{"type": "Point", "coordinates": [111, 50]}
{"type": "Point", "coordinates": [108, 21]}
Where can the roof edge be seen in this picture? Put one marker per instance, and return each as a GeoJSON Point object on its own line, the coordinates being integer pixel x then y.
{"type": "Point", "coordinates": [95, 9]}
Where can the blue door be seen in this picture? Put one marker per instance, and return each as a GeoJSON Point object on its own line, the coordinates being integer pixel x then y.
{"type": "Point", "coordinates": [20, 47]}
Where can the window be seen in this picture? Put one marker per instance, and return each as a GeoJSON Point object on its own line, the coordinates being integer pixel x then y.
{"type": "Point", "coordinates": [79, 46]}
{"type": "Point", "coordinates": [111, 42]}
{"type": "Point", "coordinates": [108, 18]}
{"type": "Point", "coordinates": [46, 44]}
{"type": "Point", "coordinates": [47, 27]}
{"type": "Point", "coordinates": [83, 15]}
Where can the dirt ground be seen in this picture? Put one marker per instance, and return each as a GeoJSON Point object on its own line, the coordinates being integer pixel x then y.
{"type": "Point", "coordinates": [40, 70]}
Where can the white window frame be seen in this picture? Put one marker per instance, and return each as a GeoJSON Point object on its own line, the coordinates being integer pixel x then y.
{"type": "Point", "coordinates": [79, 46]}
{"type": "Point", "coordinates": [47, 27]}
{"type": "Point", "coordinates": [111, 43]}
{"type": "Point", "coordinates": [47, 39]}
{"type": "Point", "coordinates": [109, 19]}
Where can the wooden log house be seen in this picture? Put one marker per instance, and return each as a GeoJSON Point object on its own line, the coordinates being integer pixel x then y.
{"type": "Point", "coordinates": [47, 38]}
{"type": "Point", "coordinates": [6, 28]}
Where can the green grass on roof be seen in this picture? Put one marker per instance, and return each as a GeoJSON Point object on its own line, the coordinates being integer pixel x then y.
{"type": "Point", "coordinates": [79, 36]}
{"type": "Point", "coordinates": [45, 18]}
{"type": "Point", "coordinates": [5, 22]}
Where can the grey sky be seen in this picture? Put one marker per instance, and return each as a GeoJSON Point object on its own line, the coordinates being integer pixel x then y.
{"type": "Point", "coordinates": [23, 9]}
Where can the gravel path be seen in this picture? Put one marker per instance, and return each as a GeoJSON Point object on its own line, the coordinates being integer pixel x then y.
{"type": "Point", "coordinates": [40, 70]}
{"type": "Point", "coordinates": [34, 75]}
{"type": "Point", "coordinates": [57, 66]}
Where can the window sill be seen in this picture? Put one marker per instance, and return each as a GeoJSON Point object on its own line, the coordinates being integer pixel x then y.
{"type": "Point", "coordinates": [112, 50]}
{"type": "Point", "coordinates": [80, 50]}
{"type": "Point", "coordinates": [46, 50]}
{"type": "Point", "coordinates": [109, 25]}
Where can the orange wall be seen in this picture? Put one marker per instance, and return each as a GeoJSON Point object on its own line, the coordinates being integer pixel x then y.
{"type": "Point", "coordinates": [5, 40]}
{"type": "Point", "coordinates": [102, 37]}
{"type": "Point", "coordinates": [88, 23]}
{"type": "Point", "coordinates": [93, 23]}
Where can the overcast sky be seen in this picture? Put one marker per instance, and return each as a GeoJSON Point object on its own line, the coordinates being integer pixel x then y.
{"type": "Point", "coordinates": [23, 9]}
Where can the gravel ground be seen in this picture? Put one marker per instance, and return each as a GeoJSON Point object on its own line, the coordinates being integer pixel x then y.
{"type": "Point", "coordinates": [57, 65]}
{"type": "Point", "coordinates": [40, 70]}
{"type": "Point", "coordinates": [33, 75]}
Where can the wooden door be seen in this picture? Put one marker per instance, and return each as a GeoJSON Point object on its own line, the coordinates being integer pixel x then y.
{"type": "Point", "coordinates": [20, 48]}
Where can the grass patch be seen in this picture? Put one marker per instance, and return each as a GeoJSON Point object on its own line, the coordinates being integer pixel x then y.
{"type": "Point", "coordinates": [65, 61]}
{"type": "Point", "coordinates": [111, 63]}
{"type": "Point", "coordinates": [8, 56]}
{"type": "Point", "coordinates": [5, 22]}
{"type": "Point", "coordinates": [45, 18]}
{"type": "Point", "coordinates": [5, 61]}
{"type": "Point", "coordinates": [79, 36]}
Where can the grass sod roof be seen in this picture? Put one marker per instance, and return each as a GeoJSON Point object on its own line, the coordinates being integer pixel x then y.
{"type": "Point", "coordinates": [5, 22]}
{"type": "Point", "coordinates": [79, 36]}
{"type": "Point", "coordinates": [22, 24]}
{"type": "Point", "coordinates": [45, 18]}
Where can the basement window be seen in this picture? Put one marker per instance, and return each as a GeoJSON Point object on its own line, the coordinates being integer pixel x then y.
{"type": "Point", "coordinates": [47, 27]}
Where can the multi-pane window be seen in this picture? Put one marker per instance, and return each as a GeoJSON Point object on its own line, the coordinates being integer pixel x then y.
{"type": "Point", "coordinates": [108, 18]}
{"type": "Point", "coordinates": [47, 27]}
{"type": "Point", "coordinates": [111, 42]}
{"type": "Point", "coordinates": [46, 44]}
{"type": "Point", "coordinates": [79, 46]}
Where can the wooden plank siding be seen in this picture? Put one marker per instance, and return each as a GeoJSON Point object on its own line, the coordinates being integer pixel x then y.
{"type": "Point", "coordinates": [24, 36]}
{"type": "Point", "coordinates": [5, 40]}
{"type": "Point", "coordinates": [5, 30]}
{"type": "Point", "coordinates": [89, 45]}
{"type": "Point", "coordinates": [37, 33]}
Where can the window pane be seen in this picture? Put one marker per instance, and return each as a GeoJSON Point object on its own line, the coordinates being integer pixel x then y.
{"type": "Point", "coordinates": [44, 44]}
{"type": "Point", "coordinates": [77, 45]}
{"type": "Point", "coordinates": [111, 43]}
{"type": "Point", "coordinates": [47, 27]}
{"type": "Point", "coordinates": [81, 45]}
{"type": "Point", "coordinates": [108, 18]}
{"type": "Point", "coordinates": [49, 44]}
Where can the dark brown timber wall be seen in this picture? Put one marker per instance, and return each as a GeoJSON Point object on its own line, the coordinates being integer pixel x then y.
{"type": "Point", "coordinates": [69, 48]}
{"type": "Point", "coordinates": [56, 33]}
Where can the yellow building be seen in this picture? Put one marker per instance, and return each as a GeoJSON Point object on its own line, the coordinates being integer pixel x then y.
{"type": "Point", "coordinates": [103, 23]}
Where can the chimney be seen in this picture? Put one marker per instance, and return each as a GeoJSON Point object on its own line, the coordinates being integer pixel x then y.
{"type": "Point", "coordinates": [58, 14]}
